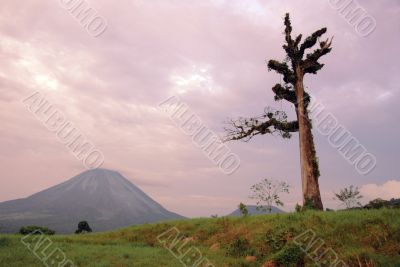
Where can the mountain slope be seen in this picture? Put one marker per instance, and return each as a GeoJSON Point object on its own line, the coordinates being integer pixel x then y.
{"type": "Point", "coordinates": [253, 211]}
{"type": "Point", "coordinates": [104, 198]}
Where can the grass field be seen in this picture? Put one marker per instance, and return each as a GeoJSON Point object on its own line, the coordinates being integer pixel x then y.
{"type": "Point", "coordinates": [358, 238]}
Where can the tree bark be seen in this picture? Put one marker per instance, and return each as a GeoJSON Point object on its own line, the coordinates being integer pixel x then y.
{"type": "Point", "coordinates": [308, 159]}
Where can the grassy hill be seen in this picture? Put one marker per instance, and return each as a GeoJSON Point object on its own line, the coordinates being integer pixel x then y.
{"type": "Point", "coordinates": [358, 238]}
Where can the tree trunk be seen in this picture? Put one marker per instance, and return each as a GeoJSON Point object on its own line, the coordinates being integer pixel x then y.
{"type": "Point", "coordinates": [308, 159]}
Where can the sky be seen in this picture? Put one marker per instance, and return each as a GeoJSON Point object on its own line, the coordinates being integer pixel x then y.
{"type": "Point", "coordinates": [212, 55]}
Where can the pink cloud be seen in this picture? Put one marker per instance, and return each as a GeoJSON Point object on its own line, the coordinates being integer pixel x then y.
{"type": "Point", "coordinates": [387, 190]}
{"type": "Point", "coordinates": [110, 86]}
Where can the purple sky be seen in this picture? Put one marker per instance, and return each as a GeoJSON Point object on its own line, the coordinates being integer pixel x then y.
{"type": "Point", "coordinates": [212, 54]}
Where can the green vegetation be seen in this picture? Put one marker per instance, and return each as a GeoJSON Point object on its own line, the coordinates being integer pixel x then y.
{"type": "Point", "coordinates": [83, 227]}
{"type": "Point", "coordinates": [369, 237]}
{"type": "Point", "coordinates": [243, 209]}
{"type": "Point", "coordinates": [381, 203]}
{"type": "Point", "coordinates": [35, 230]}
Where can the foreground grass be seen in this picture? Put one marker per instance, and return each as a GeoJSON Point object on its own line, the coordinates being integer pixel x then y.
{"type": "Point", "coordinates": [360, 238]}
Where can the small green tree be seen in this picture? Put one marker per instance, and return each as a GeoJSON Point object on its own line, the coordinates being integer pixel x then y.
{"type": "Point", "coordinates": [83, 227]}
{"type": "Point", "coordinates": [267, 193]}
{"type": "Point", "coordinates": [349, 196]}
{"type": "Point", "coordinates": [243, 209]}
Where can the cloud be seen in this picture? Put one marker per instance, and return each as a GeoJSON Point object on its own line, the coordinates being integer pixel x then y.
{"type": "Point", "coordinates": [213, 54]}
{"type": "Point", "coordinates": [388, 190]}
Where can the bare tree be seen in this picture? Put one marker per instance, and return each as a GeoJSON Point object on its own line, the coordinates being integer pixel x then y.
{"type": "Point", "coordinates": [349, 196]}
{"type": "Point", "coordinates": [267, 193]}
{"type": "Point", "coordinates": [293, 69]}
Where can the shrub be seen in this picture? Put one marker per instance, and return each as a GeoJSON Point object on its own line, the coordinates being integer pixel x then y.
{"type": "Point", "coordinates": [376, 204]}
{"type": "Point", "coordinates": [240, 247]}
{"type": "Point", "coordinates": [290, 256]}
{"type": "Point", "coordinates": [276, 240]}
{"type": "Point", "coordinates": [25, 230]}
{"type": "Point", "coordinates": [83, 227]}
{"type": "Point", "coordinates": [4, 241]}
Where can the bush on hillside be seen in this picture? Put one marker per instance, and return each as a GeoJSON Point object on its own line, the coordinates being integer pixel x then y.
{"type": "Point", "coordinates": [33, 229]}
{"type": "Point", "coordinates": [290, 256]}
{"type": "Point", "coordinates": [277, 239]}
{"type": "Point", "coordinates": [83, 227]}
{"type": "Point", "coordinates": [240, 247]}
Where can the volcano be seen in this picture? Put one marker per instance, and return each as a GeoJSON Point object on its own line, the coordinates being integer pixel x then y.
{"type": "Point", "coordinates": [103, 198]}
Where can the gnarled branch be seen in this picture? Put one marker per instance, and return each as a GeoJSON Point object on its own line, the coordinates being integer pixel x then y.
{"type": "Point", "coordinates": [291, 45]}
{"type": "Point", "coordinates": [271, 122]}
{"type": "Point", "coordinates": [325, 48]}
{"type": "Point", "coordinates": [311, 41]}
{"type": "Point", "coordinates": [288, 30]}
{"type": "Point", "coordinates": [298, 39]}
{"type": "Point", "coordinates": [282, 68]}
{"type": "Point", "coordinates": [284, 93]}
{"type": "Point", "coordinates": [311, 64]}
